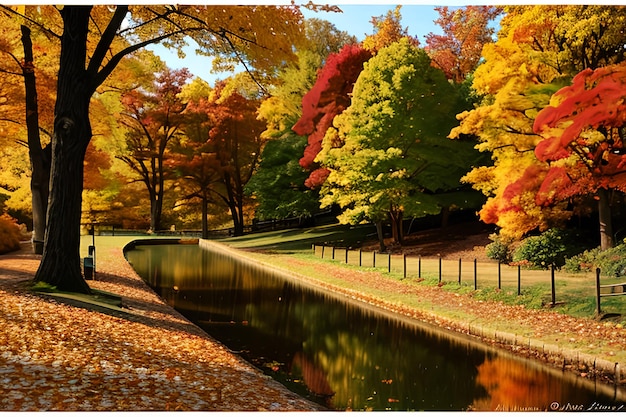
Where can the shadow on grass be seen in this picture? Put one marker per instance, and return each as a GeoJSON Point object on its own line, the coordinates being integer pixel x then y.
{"type": "Point", "coordinates": [302, 239]}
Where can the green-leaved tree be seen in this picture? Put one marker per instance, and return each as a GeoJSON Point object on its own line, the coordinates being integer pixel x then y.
{"type": "Point", "coordinates": [388, 155]}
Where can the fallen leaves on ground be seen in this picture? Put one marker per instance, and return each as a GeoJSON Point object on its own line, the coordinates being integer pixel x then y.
{"type": "Point", "coordinates": [58, 357]}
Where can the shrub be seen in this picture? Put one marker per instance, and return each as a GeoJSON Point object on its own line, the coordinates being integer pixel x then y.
{"type": "Point", "coordinates": [612, 262]}
{"type": "Point", "coordinates": [10, 234]}
{"type": "Point", "coordinates": [550, 248]}
{"type": "Point", "coordinates": [499, 249]}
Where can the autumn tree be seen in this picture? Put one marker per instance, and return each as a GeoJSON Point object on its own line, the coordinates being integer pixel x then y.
{"type": "Point", "coordinates": [583, 142]}
{"type": "Point", "coordinates": [466, 30]}
{"type": "Point", "coordinates": [278, 184]}
{"type": "Point", "coordinates": [22, 80]}
{"type": "Point", "coordinates": [235, 138]}
{"type": "Point", "coordinates": [154, 117]}
{"type": "Point", "coordinates": [394, 159]}
{"type": "Point", "coordinates": [539, 48]}
{"type": "Point", "coordinates": [89, 55]}
{"type": "Point", "coordinates": [329, 96]}
{"type": "Point", "coordinates": [387, 30]}
{"type": "Point", "coordinates": [192, 161]}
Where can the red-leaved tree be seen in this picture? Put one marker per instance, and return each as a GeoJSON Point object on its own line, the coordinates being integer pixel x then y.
{"type": "Point", "coordinates": [583, 141]}
{"type": "Point", "coordinates": [329, 97]}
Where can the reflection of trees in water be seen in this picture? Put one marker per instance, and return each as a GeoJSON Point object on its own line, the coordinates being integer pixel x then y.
{"type": "Point", "coordinates": [314, 377]}
{"type": "Point", "coordinates": [512, 386]}
{"type": "Point", "coordinates": [358, 358]}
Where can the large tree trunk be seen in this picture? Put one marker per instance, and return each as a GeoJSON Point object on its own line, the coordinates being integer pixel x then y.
{"type": "Point", "coordinates": [39, 159]}
{"type": "Point", "coordinates": [606, 224]}
{"type": "Point", "coordinates": [60, 264]}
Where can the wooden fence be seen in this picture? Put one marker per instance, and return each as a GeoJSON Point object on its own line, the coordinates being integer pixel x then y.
{"type": "Point", "coordinates": [479, 274]}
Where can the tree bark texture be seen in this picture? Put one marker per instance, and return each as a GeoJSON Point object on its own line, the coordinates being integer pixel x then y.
{"type": "Point", "coordinates": [60, 264]}
{"type": "Point", "coordinates": [606, 224]}
{"type": "Point", "coordinates": [39, 158]}
{"type": "Point", "coordinates": [397, 231]}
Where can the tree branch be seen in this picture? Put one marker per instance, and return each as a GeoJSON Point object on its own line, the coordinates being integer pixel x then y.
{"type": "Point", "coordinates": [106, 39]}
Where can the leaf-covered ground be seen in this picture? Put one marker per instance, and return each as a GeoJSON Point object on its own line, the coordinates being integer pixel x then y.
{"type": "Point", "coordinates": [55, 356]}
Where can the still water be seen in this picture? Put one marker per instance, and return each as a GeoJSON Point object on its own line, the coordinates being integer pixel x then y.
{"type": "Point", "coordinates": [344, 355]}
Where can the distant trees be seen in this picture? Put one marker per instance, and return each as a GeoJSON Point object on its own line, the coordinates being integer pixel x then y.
{"type": "Point", "coordinates": [89, 52]}
{"type": "Point", "coordinates": [154, 118]}
{"type": "Point", "coordinates": [360, 126]}
{"type": "Point", "coordinates": [279, 186]}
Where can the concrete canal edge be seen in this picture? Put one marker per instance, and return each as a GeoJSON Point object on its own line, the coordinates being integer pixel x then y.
{"type": "Point", "coordinates": [579, 365]}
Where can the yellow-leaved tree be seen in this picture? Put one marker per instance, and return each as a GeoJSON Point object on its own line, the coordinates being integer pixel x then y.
{"type": "Point", "coordinates": [539, 49]}
{"type": "Point", "coordinates": [93, 40]}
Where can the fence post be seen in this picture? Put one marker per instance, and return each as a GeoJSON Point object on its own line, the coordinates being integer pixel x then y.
{"type": "Point", "coordinates": [598, 310]}
{"type": "Point", "coordinates": [404, 264]}
{"type": "Point", "coordinates": [519, 280]}
{"type": "Point", "coordinates": [419, 266]}
{"type": "Point", "coordinates": [360, 257]}
{"type": "Point", "coordinates": [499, 275]}
{"type": "Point", "coordinates": [389, 262]}
{"type": "Point", "coordinates": [374, 259]}
{"type": "Point", "coordinates": [459, 271]}
{"type": "Point", "coordinates": [333, 257]}
{"type": "Point", "coordinates": [346, 255]}
{"type": "Point", "coordinates": [323, 246]}
{"type": "Point", "coordinates": [475, 276]}
{"type": "Point", "coordinates": [439, 268]}
{"type": "Point", "coordinates": [553, 286]}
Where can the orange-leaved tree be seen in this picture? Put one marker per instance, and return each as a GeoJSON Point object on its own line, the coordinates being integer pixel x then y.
{"type": "Point", "coordinates": [466, 30]}
{"type": "Point", "coordinates": [154, 117]}
{"type": "Point", "coordinates": [583, 131]}
{"type": "Point", "coordinates": [93, 41]}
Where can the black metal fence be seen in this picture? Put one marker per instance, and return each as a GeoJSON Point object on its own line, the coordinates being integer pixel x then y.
{"type": "Point", "coordinates": [469, 272]}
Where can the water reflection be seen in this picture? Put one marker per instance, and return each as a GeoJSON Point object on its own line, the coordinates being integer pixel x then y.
{"type": "Point", "coordinates": [340, 354]}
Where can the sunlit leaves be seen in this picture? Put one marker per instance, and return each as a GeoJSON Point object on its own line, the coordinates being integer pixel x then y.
{"type": "Point", "coordinates": [388, 154]}
{"type": "Point", "coordinates": [465, 31]}
{"type": "Point", "coordinates": [583, 132]}
{"type": "Point", "coordinates": [327, 98]}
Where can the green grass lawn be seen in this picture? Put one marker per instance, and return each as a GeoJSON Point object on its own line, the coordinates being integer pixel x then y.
{"type": "Point", "coordinates": [575, 294]}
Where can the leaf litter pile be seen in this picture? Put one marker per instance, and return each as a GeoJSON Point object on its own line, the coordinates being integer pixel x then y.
{"type": "Point", "coordinates": [56, 356]}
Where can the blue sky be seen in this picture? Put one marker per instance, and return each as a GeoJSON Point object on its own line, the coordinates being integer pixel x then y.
{"type": "Point", "coordinates": [355, 20]}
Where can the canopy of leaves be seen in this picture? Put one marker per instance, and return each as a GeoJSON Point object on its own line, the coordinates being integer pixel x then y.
{"type": "Point", "coordinates": [387, 30]}
{"type": "Point", "coordinates": [393, 154]}
{"type": "Point", "coordinates": [329, 97]}
{"type": "Point", "coordinates": [465, 31]}
{"type": "Point", "coordinates": [583, 131]}
{"type": "Point", "coordinates": [536, 53]}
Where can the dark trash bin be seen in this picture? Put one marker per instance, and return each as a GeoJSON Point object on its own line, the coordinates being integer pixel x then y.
{"type": "Point", "coordinates": [88, 267]}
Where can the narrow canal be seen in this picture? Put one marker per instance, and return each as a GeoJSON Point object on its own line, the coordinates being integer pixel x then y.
{"type": "Point", "coordinates": [347, 356]}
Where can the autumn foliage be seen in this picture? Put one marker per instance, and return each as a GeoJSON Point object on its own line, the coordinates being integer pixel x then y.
{"type": "Point", "coordinates": [584, 124]}
{"type": "Point", "coordinates": [10, 234]}
{"type": "Point", "coordinates": [329, 97]}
